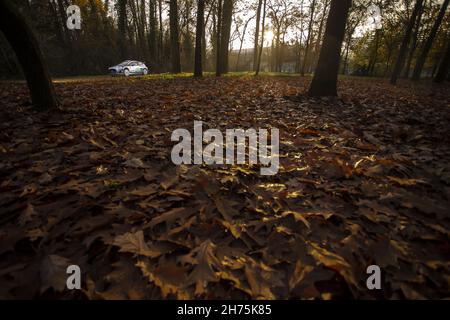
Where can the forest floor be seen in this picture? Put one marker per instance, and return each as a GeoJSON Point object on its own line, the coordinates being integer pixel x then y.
{"type": "Point", "coordinates": [364, 179]}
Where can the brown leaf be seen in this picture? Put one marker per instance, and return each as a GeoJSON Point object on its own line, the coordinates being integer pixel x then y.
{"type": "Point", "coordinates": [135, 243]}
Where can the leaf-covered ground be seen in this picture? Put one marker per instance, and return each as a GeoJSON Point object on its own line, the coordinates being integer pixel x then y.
{"type": "Point", "coordinates": [364, 179]}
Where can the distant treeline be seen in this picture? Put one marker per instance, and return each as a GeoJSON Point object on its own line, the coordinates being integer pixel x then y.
{"type": "Point", "coordinates": [163, 33]}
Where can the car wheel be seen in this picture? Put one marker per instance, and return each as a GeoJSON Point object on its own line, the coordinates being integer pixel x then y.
{"type": "Point", "coordinates": [144, 72]}
{"type": "Point", "coordinates": [126, 72]}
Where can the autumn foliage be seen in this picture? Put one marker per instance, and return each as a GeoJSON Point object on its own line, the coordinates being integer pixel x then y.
{"type": "Point", "coordinates": [364, 179]}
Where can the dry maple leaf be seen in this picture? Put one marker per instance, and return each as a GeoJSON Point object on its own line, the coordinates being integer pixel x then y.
{"type": "Point", "coordinates": [170, 216]}
{"type": "Point", "coordinates": [135, 163]}
{"type": "Point", "coordinates": [135, 243]}
{"type": "Point", "coordinates": [332, 261]}
{"type": "Point", "coordinates": [53, 272]}
{"type": "Point", "coordinates": [297, 216]}
{"type": "Point", "coordinates": [205, 264]}
{"type": "Point", "coordinates": [406, 182]}
{"type": "Point", "coordinates": [168, 277]}
{"type": "Point", "coordinates": [259, 278]}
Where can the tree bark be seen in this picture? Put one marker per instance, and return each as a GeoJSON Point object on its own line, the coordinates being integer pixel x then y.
{"type": "Point", "coordinates": [218, 38]}
{"type": "Point", "coordinates": [429, 42]}
{"type": "Point", "coordinates": [261, 47]}
{"type": "Point", "coordinates": [20, 35]}
{"type": "Point", "coordinates": [374, 55]}
{"type": "Point", "coordinates": [198, 70]}
{"type": "Point", "coordinates": [174, 37]}
{"type": "Point", "coordinates": [255, 50]}
{"type": "Point", "coordinates": [413, 47]}
{"type": "Point", "coordinates": [152, 35]}
{"type": "Point", "coordinates": [404, 46]}
{"type": "Point", "coordinates": [324, 82]}
{"type": "Point", "coordinates": [444, 66]}
{"type": "Point", "coordinates": [308, 38]}
{"type": "Point", "coordinates": [242, 42]}
{"type": "Point", "coordinates": [227, 12]}
{"type": "Point", "coordinates": [161, 33]}
{"type": "Point", "coordinates": [122, 26]}
{"type": "Point", "coordinates": [319, 36]}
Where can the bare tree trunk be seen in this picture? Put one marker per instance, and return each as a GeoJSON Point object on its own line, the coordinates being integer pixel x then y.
{"type": "Point", "coordinates": [374, 55]}
{"type": "Point", "coordinates": [324, 82]}
{"type": "Point", "coordinates": [255, 50]}
{"type": "Point", "coordinates": [210, 13]}
{"type": "Point", "coordinates": [390, 49]}
{"type": "Point", "coordinates": [444, 66]}
{"type": "Point", "coordinates": [122, 25]}
{"type": "Point", "coordinates": [258, 65]}
{"type": "Point", "coordinates": [308, 38]}
{"type": "Point", "coordinates": [198, 70]}
{"type": "Point", "coordinates": [242, 42]}
{"type": "Point", "coordinates": [161, 32]}
{"type": "Point", "coordinates": [138, 27]}
{"type": "Point", "coordinates": [413, 46]}
{"type": "Point", "coordinates": [319, 36]}
{"type": "Point", "coordinates": [10, 65]}
{"type": "Point", "coordinates": [187, 42]}
{"type": "Point", "coordinates": [20, 35]}
{"type": "Point", "coordinates": [227, 12]}
{"type": "Point", "coordinates": [404, 46]}
{"type": "Point", "coordinates": [347, 49]}
{"type": "Point", "coordinates": [58, 23]}
{"type": "Point", "coordinates": [152, 42]}
{"type": "Point", "coordinates": [218, 38]}
{"type": "Point", "coordinates": [174, 37]}
{"type": "Point", "coordinates": [427, 46]}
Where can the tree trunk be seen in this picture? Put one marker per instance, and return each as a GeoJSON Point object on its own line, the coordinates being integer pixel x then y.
{"type": "Point", "coordinates": [210, 13]}
{"type": "Point", "coordinates": [142, 28]}
{"type": "Point", "coordinates": [277, 50]}
{"type": "Point", "coordinates": [374, 55]}
{"type": "Point", "coordinates": [227, 12]}
{"type": "Point", "coordinates": [308, 38]}
{"type": "Point", "coordinates": [427, 46]}
{"type": "Point", "coordinates": [174, 37]}
{"type": "Point", "coordinates": [187, 43]}
{"type": "Point", "coordinates": [242, 42]}
{"type": "Point", "coordinates": [347, 49]}
{"type": "Point", "coordinates": [444, 66]}
{"type": "Point", "coordinates": [161, 33]}
{"type": "Point", "coordinates": [20, 35]}
{"type": "Point", "coordinates": [218, 38]}
{"type": "Point", "coordinates": [138, 28]}
{"type": "Point", "coordinates": [319, 35]}
{"type": "Point", "coordinates": [255, 49]}
{"type": "Point", "coordinates": [324, 82]}
{"type": "Point", "coordinates": [261, 47]}
{"type": "Point", "coordinates": [413, 47]}
{"type": "Point", "coordinates": [122, 25]}
{"type": "Point", "coordinates": [198, 70]}
{"type": "Point", "coordinates": [404, 46]}
{"type": "Point", "coordinates": [152, 41]}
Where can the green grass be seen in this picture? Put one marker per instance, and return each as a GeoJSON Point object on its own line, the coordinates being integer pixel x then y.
{"type": "Point", "coordinates": [213, 74]}
{"type": "Point", "coordinates": [168, 76]}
